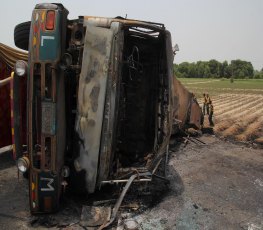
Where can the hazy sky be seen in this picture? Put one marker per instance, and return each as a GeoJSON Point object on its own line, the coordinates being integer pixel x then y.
{"type": "Point", "coordinates": [203, 29]}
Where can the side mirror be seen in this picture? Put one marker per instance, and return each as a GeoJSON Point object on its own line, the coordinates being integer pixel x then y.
{"type": "Point", "coordinates": [175, 49]}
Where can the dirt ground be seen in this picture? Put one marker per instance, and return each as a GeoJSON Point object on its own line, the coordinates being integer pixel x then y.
{"type": "Point", "coordinates": [240, 120]}
{"type": "Point", "coordinates": [216, 185]}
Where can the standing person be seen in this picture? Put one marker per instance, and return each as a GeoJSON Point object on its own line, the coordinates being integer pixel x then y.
{"type": "Point", "coordinates": [204, 103]}
{"type": "Point", "coordinates": [201, 118]}
{"type": "Point", "coordinates": [208, 102]}
{"type": "Point", "coordinates": [211, 112]}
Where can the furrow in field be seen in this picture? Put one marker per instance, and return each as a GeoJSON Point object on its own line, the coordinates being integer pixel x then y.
{"type": "Point", "coordinates": [237, 97]}
{"type": "Point", "coordinates": [228, 103]}
{"type": "Point", "coordinates": [252, 132]}
{"type": "Point", "coordinates": [239, 108]}
{"type": "Point", "coordinates": [234, 114]}
{"type": "Point", "coordinates": [238, 127]}
{"type": "Point", "coordinates": [221, 125]}
{"type": "Point", "coordinates": [223, 97]}
{"type": "Point", "coordinates": [245, 91]}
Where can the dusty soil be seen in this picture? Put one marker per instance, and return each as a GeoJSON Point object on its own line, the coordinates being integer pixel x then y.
{"type": "Point", "coordinates": [216, 185]}
{"type": "Point", "coordinates": [238, 116]}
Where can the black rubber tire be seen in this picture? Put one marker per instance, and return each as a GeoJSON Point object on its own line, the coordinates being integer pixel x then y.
{"type": "Point", "coordinates": [21, 35]}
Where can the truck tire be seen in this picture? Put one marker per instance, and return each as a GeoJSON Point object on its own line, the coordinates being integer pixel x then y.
{"type": "Point", "coordinates": [21, 35]}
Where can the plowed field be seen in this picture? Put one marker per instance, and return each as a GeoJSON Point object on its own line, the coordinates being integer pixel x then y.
{"type": "Point", "coordinates": [238, 107]}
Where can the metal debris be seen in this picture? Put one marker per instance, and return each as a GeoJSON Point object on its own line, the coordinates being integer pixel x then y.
{"type": "Point", "coordinates": [133, 206]}
{"type": "Point", "coordinates": [92, 216]}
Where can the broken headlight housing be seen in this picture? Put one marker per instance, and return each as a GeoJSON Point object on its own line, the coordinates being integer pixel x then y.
{"type": "Point", "coordinates": [20, 68]}
{"type": "Point", "coordinates": [23, 164]}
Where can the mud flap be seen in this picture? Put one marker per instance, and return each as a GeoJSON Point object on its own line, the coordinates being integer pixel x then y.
{"type": "Point", "coordinates": [91, 100]}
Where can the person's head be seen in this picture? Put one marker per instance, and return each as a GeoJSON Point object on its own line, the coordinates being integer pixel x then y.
{"type": "Point", "coordinates": [204, 94]}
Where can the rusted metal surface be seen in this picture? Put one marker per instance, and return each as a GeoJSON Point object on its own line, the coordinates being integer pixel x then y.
{"type": "Point", "coordinates": [111, 102]}
{"type": "Point", "coordinates": [122, 95]}
{"type": "Point", "coordinates": [195, 114]}
{"type": "Point", "coordinates": [106, 22]}
{"type": "Point", "coordinates": [166, 104]}
{"type": "Point", "coordinates": [91, 99]}
{"type": "Point", "coordinates": [182, 102]}
{"type": "Point", "coordinates": [46, 111]}
{"type": "Point", "coordinates": [118, 203]}
{"type": "Point", "coordinates": [186, 110]}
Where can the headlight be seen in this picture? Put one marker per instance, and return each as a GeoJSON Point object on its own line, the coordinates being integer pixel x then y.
{"type": "Point", "coordinates": [20, 68]}
{"type": "Point", "coordinates": [23, 164]}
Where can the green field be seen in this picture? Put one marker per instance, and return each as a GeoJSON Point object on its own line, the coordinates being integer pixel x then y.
{"type": "Point", "coordinates": [218, 86]}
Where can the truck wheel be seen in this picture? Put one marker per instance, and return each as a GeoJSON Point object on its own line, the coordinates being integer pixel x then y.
{"type": "Point", "coordinates": [21, 35]}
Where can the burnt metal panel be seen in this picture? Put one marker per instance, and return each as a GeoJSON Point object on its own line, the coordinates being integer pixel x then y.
{"type": "Point", "coordinates": [165, 105]}
{"type": "Point", "coordinates": [195, 114]}
{"type": "Point", "coordinates": [106, 22]}
{"type": "Point", "coordinates": [91, 99]}
{"type": "Point", "coordinates": [111, 104]}
{"type": "Point", "coordinates": [182, 101]}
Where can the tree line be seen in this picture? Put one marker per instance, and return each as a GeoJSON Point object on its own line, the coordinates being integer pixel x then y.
{"type": "Point", "coordinates": [238, 69]}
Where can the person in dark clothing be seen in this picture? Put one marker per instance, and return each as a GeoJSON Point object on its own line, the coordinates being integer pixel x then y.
{"type": "Point", "coordinates": [204, 103]}
{"type": "Point", "coordinates": [211, 112]}
{"type": "Point", "coordinates": [208, 102]}
{"type": "Point", "coordinates": [201, 119]}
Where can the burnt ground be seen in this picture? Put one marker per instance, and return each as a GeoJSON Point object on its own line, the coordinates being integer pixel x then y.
{"type": "Point", "coordinates": [216, 185]}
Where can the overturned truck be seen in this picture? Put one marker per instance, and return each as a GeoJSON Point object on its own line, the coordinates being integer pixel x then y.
{"type": "Point", "coordinates": [100, 102]}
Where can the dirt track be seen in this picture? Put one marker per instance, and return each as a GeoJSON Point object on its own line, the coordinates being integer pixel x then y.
{"type": "Point", "coordinates": [218, 185]}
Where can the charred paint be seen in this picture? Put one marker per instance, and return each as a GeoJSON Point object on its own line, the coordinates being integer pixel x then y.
{"type": "Point", "coordinates": [91, 123]}
{"type": "Point", "coordinates": [91, 99]}
{"type": "Point", "coordinates": [94, 98]}
{"type": "Point", "coordinates": [100, 45]}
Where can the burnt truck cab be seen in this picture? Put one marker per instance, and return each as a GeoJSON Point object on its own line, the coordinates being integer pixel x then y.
{"type": "Point", "coordinates": [99, 102]}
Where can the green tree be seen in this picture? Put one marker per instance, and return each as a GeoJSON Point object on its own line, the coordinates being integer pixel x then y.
{"type": "Point", "coordinates": [214, 67]}
{"type": "Point", "coordinates": [224, 70]}
{"type": "Point", "coordinates": [203, 69]}
{"type": "Point", "coordinates": [241, 69]}
{"type": "Point", "coordinates": [207, 73]}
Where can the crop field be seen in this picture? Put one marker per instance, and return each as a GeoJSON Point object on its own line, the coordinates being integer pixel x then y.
{"type": "Point", "coordinates": [238, 106]}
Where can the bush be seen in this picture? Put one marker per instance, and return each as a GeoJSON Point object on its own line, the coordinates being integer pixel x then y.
{"type": "Point", "coordinates": [258, 76]}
